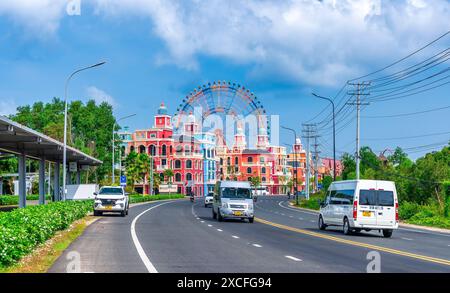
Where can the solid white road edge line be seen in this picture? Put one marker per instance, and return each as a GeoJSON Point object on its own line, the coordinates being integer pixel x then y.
{"type": "Point", "coordinates": [148, 264]}
{"type": "Point", "coordinates": [293, 258]}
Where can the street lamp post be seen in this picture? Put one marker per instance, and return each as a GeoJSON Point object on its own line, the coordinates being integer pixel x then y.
{"type": "Point", "coordinates": [65, 123]}
{"type": "Point", "coordinates": [334, 134]}
{"type": "Point", "coordinates": [295, 163]}
{"type": "Point", "coordinates": [113, 147]}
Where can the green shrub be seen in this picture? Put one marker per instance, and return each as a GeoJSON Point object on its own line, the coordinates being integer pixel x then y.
{"type": "Point", "coordinates": [408, 209]}
{"type": "Point", "coordinates": [136, 198]}
{"type": "Point", "coordinates": [21, 230]}
{"type": "Point", "coordinates": [6, 200]}
{"type": "Point", "coordinates": [313, 201]}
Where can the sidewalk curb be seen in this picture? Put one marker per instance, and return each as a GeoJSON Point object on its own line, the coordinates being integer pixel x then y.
{"type": "Point", "coordinates": [402, 224]}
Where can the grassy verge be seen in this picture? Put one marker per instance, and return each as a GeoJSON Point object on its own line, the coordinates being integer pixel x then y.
{"type": "Point", "coordinates": [43, 257]}
{"type": "Point", "coordinates": [411, 213]}
{"type": "Point", "coordinates": [137, 198]}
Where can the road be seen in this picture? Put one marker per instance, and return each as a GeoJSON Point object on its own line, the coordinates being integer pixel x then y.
{"type": "Point", "coordinates": [178, 236]}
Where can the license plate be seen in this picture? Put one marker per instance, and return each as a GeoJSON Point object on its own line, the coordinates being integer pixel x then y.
{"type": "Point", "coordinates": [237, 213]}
{"type": "Point", "coordinates": [367, 213]}
{"type": "Point", "coordinates": [108, 207]}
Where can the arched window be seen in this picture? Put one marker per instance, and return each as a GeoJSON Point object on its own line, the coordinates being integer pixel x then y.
{"type": "Point", "coordinates": [249, 170]}
{"type": "Point", "coordinates": [263, 179]}
{"type": "Point", "coordinates": [171, 150]}
{"type": "Point", "coordinates": [221, 161]}
{"type": "Point", "coordinates": [177, 177]}
{"type": "Point", "coordinates": [188, 164]}
{"type": "Point", "coordinates": [236, 161]}
{"type": "Point", "coordinates": [188, 176]}
{"type": "Point", "coordinates": [179, 150]}
{"type": "Point", "coordinates": [141, 149]}
{"type": "Point", "coordinates": [177, 164]}
{"type": "Point", "coordinates": [152, 150]}
{"type": "Point", "coordinates": [250, 160]}
{"type": "Point", "coordinates": [164, 150]}
{"type": "Point", "coordinates": [131, 149]}
{"type": "Point", "coordinates": [228, 161]}
{"type": "Point", "coordinates": [263, 170]}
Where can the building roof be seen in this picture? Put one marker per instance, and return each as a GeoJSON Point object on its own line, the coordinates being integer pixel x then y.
{"type": "Point", "coordinates": [255, 152]}
{"type": "Point", "coordinates": [17, 139]}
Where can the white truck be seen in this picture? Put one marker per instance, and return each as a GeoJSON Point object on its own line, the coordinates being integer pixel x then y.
{"type": "Point", "coordinates": [111, 199]}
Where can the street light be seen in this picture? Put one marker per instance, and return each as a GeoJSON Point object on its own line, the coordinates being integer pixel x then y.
{"type": "Point", "coordinates": [65, 122]}
{"type": "Point", "coordinates": [295, 163]}
{"type": "Point", "coordinates": [113, 132]}
{"type": "Point", "coordinates": [334, 134]}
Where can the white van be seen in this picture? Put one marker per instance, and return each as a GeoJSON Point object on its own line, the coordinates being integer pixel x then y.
{"type": "Point", "coordinates": [233, 200]}
{"type": "Point", "coordinates": [260, 191]}
{"type": "Point", "coordinates": [360, 205]}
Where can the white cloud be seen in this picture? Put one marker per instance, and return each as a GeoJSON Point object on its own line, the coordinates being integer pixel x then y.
{"type": "Point", "coordinates": [7, 107]}
{"type": "Point", "coordinates": [99, 96]}
{"type": "Point", "coordinates": [315, 42]}
{"type": "Point", "coordinates": [41, 17]}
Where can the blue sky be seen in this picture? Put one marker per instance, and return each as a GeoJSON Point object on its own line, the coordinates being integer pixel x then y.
{"type": "Point", "coordinates": [281, 50]}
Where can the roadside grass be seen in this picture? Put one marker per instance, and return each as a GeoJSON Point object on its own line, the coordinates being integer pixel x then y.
{"type": "Point", "coordinates": [410, 213]}
{"type": "Point", "coordinates": [43, 257]}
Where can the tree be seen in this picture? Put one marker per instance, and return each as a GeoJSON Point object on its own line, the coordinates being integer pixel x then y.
{"type": "Point", "coordinates": [168, 173]}
{"type": "Point", "coordinates": [398, 157]}
{"type": "Point", "coordinates": [255, 181]}
{"type": "Point", "coordinates": [326, 182]}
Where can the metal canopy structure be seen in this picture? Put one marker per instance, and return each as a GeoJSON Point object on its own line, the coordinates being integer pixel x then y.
{"type": "Point", "coordinates": [27, 143]}
{"type": "Point", "coordinates": [18, 139]}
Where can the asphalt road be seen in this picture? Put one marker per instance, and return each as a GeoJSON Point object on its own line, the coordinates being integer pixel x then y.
{"type": "Point", "coordinates": [178, 236]}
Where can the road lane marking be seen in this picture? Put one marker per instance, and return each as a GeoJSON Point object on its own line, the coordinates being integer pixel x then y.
{"type": "Point", "coordinates": [237, 237]}
{"type": "Point", "coordinates": [300, 218]}
{"type": "Point", "coordinates": [209, 225]}
{"type": "Point", "coordinates": [202, 221]}
{"type": "Point", "coordinates": [293, 258]}
{"type": "Point", "coordinates": [148, 264]}
{"type": "Point", "coordinates": [312, 221]}
{"type": "Point", "coordinates": [355, 243]}
{"type": "Point", "coordinates": [220, 230]}
{"type": "Point", "coordinates": [256, 245]}
{"type": "Point", "coordinates": [404, 238]}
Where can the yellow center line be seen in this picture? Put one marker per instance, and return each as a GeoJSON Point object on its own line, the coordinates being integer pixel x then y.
{"type": "Point", "coordinates": [355, 243]}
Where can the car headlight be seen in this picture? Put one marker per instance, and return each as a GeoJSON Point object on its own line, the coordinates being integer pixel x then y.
{"type": "Point", "coordinates": [225, 205]}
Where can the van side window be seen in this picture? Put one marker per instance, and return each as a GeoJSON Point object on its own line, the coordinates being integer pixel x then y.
{"type": "Point", "coordinates": [333, 197]}
{"type": "Point", "coordinates": [367, 197]}
{"type": "Point", "coordinates": [343, 197]}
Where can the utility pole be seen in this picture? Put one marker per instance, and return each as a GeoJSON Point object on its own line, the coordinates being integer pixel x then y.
{"type": "Point", "coordinates": [358, 104]}
{"type": "Point", "coordinates": [316, 163]}
{"type": "Point", "coordinates": [308, 133]}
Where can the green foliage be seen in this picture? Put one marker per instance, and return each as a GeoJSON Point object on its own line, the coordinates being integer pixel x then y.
{"type": "Point", "coordinates": [22, 230]}
{"type": "Point", "coordinates": [136, 198]}
{"type": "Point", "coordinates": [89, 128]}
{"type": "Point", "coordinates": [6, 200]}
{"type": "Point", "coordinates": [326, 182]}
{"type": "Point", "coordinates": [313, 201]}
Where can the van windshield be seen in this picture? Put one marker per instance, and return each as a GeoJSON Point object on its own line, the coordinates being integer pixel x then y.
{"type": "Point", "coordinates": [376, 198]}
{"type": "Point", "coordinates": [236, 193]}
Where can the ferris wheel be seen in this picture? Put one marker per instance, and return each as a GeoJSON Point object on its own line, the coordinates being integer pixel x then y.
{"type": "Point", "coordinates": [221, 98]}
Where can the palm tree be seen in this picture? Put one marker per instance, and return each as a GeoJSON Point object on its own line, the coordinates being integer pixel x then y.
{"type": "Point", "coordinates": [168, 173]}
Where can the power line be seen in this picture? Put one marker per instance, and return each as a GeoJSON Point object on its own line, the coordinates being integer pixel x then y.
{"type": "Point", "coordinates": [407, 114]}
{"type": "Point", "coordinates": [404, 58]}
{"type": "Point", "coordinates": [408, 137]}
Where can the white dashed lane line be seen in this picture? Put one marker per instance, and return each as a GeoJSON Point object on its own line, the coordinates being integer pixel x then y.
{"type": "Point", "coordinates": [235, 237]}
{"type": "Point", "coordinates": [220, 230]}
{"type": "Point", "coordinates": [293, 258]}
{"type": "Point", "coordinates": [300, 218]}
{"type": "Point", "coordinates": [209, 225]}
{"type": "Point", "coordinates": [256, 245]}
{"type": "Point", "coordinates": [202, 221]}
{"type": "Point", "coordinates": [404, 238]}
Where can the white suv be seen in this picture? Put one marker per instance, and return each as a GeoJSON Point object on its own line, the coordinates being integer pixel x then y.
{"type": "Point", "coordinates": [111, 199]}
{"type": "Point", "coordinates": [209, 199]}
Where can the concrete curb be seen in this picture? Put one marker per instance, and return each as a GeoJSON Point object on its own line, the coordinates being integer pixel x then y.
{"type": "Point", "coordinates": [402, 224]}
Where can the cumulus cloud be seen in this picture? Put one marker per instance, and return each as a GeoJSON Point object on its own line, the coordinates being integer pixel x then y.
{"type": "Point", "coordinates": [316, 42]}
{"type": "Point", "coordinates": [99, 96]}
{"type": "Point", "coordinates": [42, 17]}
{"type": "Point", "coordinates": [310, 41]}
